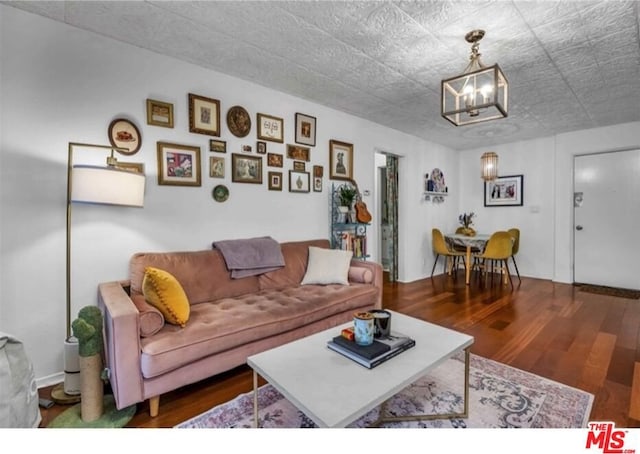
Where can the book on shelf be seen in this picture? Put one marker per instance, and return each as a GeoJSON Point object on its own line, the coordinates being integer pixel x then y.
{"type": "Point", "coordinates": [400, 344]}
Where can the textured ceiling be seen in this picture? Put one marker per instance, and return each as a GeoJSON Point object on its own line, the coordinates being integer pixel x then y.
{"type": "Point", "coordinates": [570, 64]}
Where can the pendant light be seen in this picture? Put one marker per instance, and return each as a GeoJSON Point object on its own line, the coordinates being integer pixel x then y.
{"type": "Point", "coordinates": [489, 166]}
{"type": "Point", "coordinates": [479, 94]}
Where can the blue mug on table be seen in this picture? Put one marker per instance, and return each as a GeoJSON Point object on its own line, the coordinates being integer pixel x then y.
{"type": "Point", "coordinates": [363, 328]}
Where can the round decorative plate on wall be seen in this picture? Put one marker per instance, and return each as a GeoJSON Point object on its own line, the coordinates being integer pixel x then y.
{"type": "Point", "coordinates": [238, 121]}
{"type": "Point", "coordinates": [124, 134]}
{"type": "Point", "coordinates": [220, 193]}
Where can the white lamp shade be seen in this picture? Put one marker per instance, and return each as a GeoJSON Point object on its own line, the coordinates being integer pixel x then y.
{"type": "Point", "coordinates": [107, 186]}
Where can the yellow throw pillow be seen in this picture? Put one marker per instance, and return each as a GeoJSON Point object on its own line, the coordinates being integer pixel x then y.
{"type": "Point", "coordinates": [164, 292]}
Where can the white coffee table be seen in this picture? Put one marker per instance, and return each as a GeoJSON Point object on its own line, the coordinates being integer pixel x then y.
{"type": "Point", "coordinates": [334, 391]}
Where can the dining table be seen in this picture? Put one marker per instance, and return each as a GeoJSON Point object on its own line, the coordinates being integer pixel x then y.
{"type": "Point", "coordinates": [477, 241]}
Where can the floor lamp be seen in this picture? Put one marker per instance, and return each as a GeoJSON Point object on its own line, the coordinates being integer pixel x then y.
{"type": "Point", "coordinates": [101, 186]}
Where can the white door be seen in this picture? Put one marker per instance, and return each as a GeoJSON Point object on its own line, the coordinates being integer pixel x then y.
{"type": "Point", "coordinates": [607, 219]}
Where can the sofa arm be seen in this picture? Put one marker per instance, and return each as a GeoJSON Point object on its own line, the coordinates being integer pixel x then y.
{"type": "Point", "coordinates": [376, 271]}
{"type": "Point", "coordinates": [122, 343]}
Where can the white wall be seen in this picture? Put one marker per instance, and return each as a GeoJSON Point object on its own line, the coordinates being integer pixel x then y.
{"type": "Point", "coordinates": [546, 217]}
{"type": "Point", "coordinates": [60, 84]}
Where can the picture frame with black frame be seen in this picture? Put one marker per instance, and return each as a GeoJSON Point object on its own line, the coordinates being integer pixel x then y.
{"type": "Point", "coordinates": [299, 181]}
{"type": "Point", "coordinates": [218, 146]}
{"type": "Point", "coordinates": [305, 129]}
{"type": "Point", "coordinates": [505, 191]}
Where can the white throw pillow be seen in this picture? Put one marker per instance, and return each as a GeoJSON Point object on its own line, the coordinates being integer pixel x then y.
{"type": "Point", "coordinates": [327, 266]}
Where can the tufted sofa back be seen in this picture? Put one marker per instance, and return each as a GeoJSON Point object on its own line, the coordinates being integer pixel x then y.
{"type": "Point", "coordinates": [204, 275]}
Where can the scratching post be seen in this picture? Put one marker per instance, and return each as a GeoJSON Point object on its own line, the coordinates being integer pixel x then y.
{"type": "Point", "coordinates": [91, 388]}
{"type": "Point", "coordinates": [87, 328]}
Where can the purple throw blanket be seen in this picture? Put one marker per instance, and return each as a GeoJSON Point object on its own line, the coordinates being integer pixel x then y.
{"type": "Point", "coordinates": [249, 257]}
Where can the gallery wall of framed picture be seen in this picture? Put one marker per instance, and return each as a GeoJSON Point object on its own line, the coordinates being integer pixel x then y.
{"type": "Point", "coordinates": [257, 150]}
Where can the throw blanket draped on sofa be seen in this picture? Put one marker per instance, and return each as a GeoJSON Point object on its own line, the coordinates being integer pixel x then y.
{"type": "Point", "coordinates": [250, 257]}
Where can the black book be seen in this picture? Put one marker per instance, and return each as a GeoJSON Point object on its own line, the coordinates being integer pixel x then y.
{"type": "Point", "coordinates": [371, 363]}
{"type": "Point", "coordinates": [365, 351]}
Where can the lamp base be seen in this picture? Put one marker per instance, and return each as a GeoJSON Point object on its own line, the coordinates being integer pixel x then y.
{"type": "Point", "coordinates": [60, 397]}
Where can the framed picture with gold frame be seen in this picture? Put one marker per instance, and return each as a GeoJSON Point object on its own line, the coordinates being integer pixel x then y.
{"type": "Point", "coordinates": [216, 167]}
{"type": "Point", "coordinates": [178, 165]}
{"type": "Point", "coordinates": [159, 113]}
{"type": "Point", "coordinates": [275, 181]}
{"type": "Point", "coordinates": [204, 115]}
{"type": "Point", "coordinates": [270, 128]}
{"type": "Point", "coordinates": [246, 169]}
{"type": "Point", "coordinates": [137, 167]}
{"type": "Point", "coordinates": [298, 153]}
{"type": "Point", "coordinates": [274, 160]}
{"type": "Point", "coordinates": [340, 160]}
{"type": "Point", "coordinates": [299, 166]}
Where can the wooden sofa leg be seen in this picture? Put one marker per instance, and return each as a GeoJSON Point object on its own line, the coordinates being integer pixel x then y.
{"type": "Point", "coordinates": [154, 406]}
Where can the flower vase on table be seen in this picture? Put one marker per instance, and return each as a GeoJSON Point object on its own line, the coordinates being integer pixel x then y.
{"type": "Point", "coordinates": [466, 220]}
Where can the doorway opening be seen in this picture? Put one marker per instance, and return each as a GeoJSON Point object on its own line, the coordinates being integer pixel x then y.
{"type": "Point", "coordinates": [387, 182]}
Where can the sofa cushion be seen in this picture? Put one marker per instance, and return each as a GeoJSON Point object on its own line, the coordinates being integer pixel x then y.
{"type": "Point", "coordinates": [360, 274]}
{"type": "Point", "coordinates": [327, 266]}
{"type": "Point", "coordinates": [163, 291]}
{"type": "Point", "coordinates": [150, 318]}
{"type": "Point", "coordinates": [296, 256]}
{"type": "Point", "coordinates": [233, 322]}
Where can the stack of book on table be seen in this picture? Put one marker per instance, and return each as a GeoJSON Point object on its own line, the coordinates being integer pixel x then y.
{"type": "Point", "coordinates": [375, 354]}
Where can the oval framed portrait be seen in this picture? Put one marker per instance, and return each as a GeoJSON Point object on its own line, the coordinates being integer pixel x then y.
{"type": "Point", "coordinates": [124, 134]}
{"type": "Point", "coordinates": [238, 121]}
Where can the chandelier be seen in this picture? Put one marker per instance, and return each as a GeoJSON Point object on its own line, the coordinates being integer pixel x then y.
{"type": "Point", "coordinates": [489, 166]}
{"type": "Point", "coordinates": [479, 94]}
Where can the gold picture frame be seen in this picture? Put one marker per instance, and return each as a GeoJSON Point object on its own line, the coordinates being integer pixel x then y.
{"type": "Point", "coordinates": [216, 167]}
{"type": "Point", "coordinates": [298, 153]}
{"type": "Point", "coordinates": [204, 115]}
{"type": "Point", "coordinates": [246, 169]}
{"type": "Point", "coordinates": [274, 160]}
{"type": "Point", "coordinates": [178, 165]}
{"type": "Point", "coordinates": [275, 181]}
{"type": "Point", "coordinates": [159, 113]}
{"type": "Point", "coordinates": [270, 128]}
{"type": "Point", "coordinates": [340, 160]}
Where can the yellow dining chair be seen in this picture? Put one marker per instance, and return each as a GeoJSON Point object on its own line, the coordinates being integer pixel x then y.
{"type": "Point", "coordinates": [515, 234]}
{"type": "Point", "coordinates": [497, 250]}
{"type": "Point", "coordinates": [441, 249]}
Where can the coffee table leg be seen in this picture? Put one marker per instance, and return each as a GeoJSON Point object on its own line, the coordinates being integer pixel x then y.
{"type": "Point", "coordinates": [255, 399]}
{"type": "Point", "coordinates": [382, 418]}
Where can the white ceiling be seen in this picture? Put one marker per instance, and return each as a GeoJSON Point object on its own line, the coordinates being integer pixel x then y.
{"type": "Point", "coordinates": [570, 64]}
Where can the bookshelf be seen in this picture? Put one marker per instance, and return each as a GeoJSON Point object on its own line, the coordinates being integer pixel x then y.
{"type": "Point", "coordinates": [350, 236]}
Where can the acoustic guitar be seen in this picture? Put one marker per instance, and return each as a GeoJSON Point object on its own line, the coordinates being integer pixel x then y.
{"type": "Point", "coordinates": [362, 213]}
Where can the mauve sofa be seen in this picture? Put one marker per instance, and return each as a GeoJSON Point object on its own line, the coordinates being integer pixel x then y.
{"type": "Point", "coordinates": [230, 319]}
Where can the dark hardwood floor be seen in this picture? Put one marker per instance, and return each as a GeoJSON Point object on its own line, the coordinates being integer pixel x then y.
{"type": "Point", "coordinates": [581, 339]}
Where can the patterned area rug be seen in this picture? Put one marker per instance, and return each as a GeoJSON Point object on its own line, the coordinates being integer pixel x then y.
{"type": "Point", "coordinates": [499, 396]}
